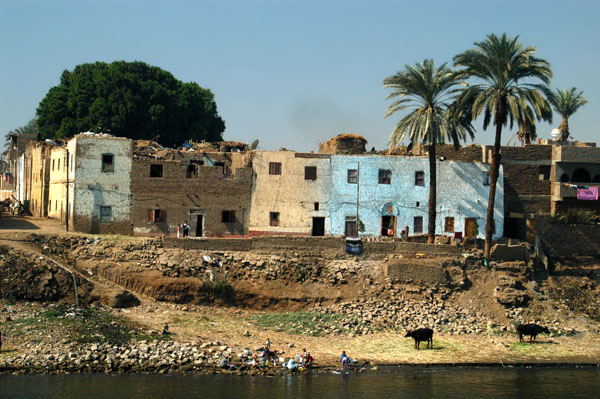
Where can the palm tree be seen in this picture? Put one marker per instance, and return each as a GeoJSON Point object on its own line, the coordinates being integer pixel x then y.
{"type": "Point", "coordinates": [566, 102]}
{"type": "Point", "coordinates": [428, 91]}
{"type": "Point", "coordinates": [508, 89]}
{"type": "Point", "coordinates": [29, 128]}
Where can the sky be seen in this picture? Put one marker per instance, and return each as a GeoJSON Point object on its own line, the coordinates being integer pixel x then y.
{"type": "Point", "coordinates": [291, 73]}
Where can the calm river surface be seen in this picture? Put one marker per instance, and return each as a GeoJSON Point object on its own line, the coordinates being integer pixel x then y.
{"type": "Point", "coordinates": [463, 383]}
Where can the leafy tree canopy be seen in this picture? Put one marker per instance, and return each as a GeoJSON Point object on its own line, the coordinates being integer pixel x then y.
{"type": "Point", "coordinates": [129, 99]}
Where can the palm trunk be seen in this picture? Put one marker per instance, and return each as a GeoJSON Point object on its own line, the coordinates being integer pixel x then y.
{"type": "Point", "coordinates": [494, 168]}
{"type": "Point", "coordinates": [564, 129]}
{"type": "Point", "coordinates": [432, 195]}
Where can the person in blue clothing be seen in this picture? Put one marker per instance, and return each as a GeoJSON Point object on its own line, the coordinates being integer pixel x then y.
{"type": "Point", "coordinates": [345, 361]}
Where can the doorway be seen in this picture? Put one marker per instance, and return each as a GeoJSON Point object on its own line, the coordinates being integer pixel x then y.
{"type": "Point", "coordinates": [388, 226]}
{"type": "Point", "coordinates": [471, 227]}
{"type": "Point", "coordinates": [199, 225]}
{"type": "Point", "coordinates": [350, 228]}
{"type": "Point", "coordinates": [318, 228]}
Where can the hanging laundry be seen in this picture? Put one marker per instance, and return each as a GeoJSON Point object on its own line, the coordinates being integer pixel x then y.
{"type": "Point", "coordinates": [590, 193]}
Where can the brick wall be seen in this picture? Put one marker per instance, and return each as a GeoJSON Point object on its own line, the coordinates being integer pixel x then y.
{"type": "Point", "coordinates": [199, 200]}
{"type": "Point", "coordinates": [470, 153]}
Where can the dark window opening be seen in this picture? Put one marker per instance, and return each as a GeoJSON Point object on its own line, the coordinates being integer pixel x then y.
{"type": "Point", "coordinates": [193, 169]}
{"type": "Point", "coordinates": [352, 176]}
{"type": "Point", "coordinates": [156, 171]}
{"type": "Point", "coordinates": [228, 217]}
{"type": "Point", "coordinates": [418, 204]}
{"type": "Point", "coordinates": [564, 178]}
{"type": "Point", "coordinates": [273, 218]}
{"type": "Point", "coordinates": [419, 178]}
{"type": "Point", "coordinates": [581, 176]}
{"type": "Point", "coordinates": [107, 163]}
{"type": "Point", "coordinates": [316, 206]}
{"type": "Point", "coordinates": [58, 167]}
{"type": "Point", "coordinates": [105, 214]}
{"type": "Point", "coordinates": [53, 164]}
{"type": "Point", "coordinates": [157, 215]}
{"type": "Point", "coordinates": [486, 178]}
{"type": "Point", "coordinates": [385, 176]}
{"type": "Point", "coordinates": [418, 225]}
{"type": "Point", "coordinates": [310, 173]}
{"type": "Point", "coordinates": [274, 168]}
{"type": "Point", "coordinates": [449, 225]}
{"type": "Point", "coordinates": [545, 172]}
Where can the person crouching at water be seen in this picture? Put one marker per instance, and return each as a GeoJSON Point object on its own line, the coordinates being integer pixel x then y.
{"type": "Point", "coordinates": [345, 361]}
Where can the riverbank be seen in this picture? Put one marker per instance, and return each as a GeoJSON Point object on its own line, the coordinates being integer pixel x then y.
{"type": "Point", "coordinates": [56, 339]}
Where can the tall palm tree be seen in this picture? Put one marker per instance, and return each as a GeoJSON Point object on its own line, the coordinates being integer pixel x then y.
{"type": "Point", "coordinates": [566, 102]}
{"type": "Point", "coordinates": [511, 84]}
{"type": "Point", "coordinates": [428, 91]}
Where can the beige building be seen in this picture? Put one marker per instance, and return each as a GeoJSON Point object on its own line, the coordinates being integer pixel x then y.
{"type": "Point", "coordinates": [37, 164]}
{"type": "Point", "coordinates": [57, 187]}
{"type": "Point", "coordinates": [290, 193]}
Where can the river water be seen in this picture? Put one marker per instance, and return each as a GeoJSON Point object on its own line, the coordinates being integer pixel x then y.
{"type": "Point", "coordinates": [414, 383]}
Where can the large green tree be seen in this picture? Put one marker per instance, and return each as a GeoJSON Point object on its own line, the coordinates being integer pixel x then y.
{"type": "Point", "coordinates": [427, 92]}
{"type": "Point", "coordinates": [510, 86]}
{"type": "Point", "coordinates": [566, 103]}
{"type": "Point", "coordinates": [129, 99]}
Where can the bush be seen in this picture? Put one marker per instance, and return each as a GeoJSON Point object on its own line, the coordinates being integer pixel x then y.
{"type": "Point", "coordinates": [575, 216]}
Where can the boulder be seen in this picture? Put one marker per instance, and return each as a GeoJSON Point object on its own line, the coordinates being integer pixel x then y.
{"type": "Point", "coordinates": [124, 299]}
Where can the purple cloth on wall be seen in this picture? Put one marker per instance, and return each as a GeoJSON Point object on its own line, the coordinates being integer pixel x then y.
{"type": "Point", "coordinates": [587, 193]}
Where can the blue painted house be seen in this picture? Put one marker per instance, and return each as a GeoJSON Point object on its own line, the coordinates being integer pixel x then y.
{"type": "Point", "coordinates": [393, 192]}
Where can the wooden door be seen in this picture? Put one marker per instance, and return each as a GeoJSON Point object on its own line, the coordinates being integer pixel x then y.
{"type": "Point", "coordinates": [471, 228]}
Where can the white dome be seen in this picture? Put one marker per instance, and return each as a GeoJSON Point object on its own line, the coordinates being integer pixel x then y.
{"type": "Point", "coordinates": [555, 134]}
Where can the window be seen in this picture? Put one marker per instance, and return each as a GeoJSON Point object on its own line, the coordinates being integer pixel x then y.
{"type": "Point", "coordinates": [352, 176]}
{"type": "Point", "coordinates": [544, 173]}
{"type": "Point", "coordinates": [486, 178]}
{"type": "Point", "coordinates": [310, 173]}
{"type": "Point", "coordinates": [419, 178]}
{"type": "Point", "coordinates": [449, 225]}
{"type": "Point", "coordinates": [228, 217]}
{"type": "Point", "coordinates": [107, 163]}
{"type": "Point", "coordinates": [316, 206]}
{"type": "Point", "coordinates": [274, 219]}
{"type": "Point", "coordinates": [385, 176]}
{"type": "Point", "coordinates": [193, 169]}
{"type": "Point", "coordinates": [274, 168]}
{"type": "Point", "coordinates": [71, 162]}
{"type": "Point", "coordinates": [418, 225]}
{"type": "Point", "coordinates": [53, 164]}
{"type": "Point", "coordinates": [105, 214]}
{"type": "Point", "coordinates": [58, 167]}
{"type": "Point", "coordinates": [157, 215]}
{"type": "Point", "coordinates": [418, 204]}
{"type": "Point", "coordinates": [156, 171]}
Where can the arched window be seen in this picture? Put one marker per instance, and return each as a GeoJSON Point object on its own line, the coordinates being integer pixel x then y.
{"type": "Point", "coordinates": [581, 176]}
{"type": "Point", "coordinates": [564, 178]}
{"type": "Point", "coordinates": [596, 179]}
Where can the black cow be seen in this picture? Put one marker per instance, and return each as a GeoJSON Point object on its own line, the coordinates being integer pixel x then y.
{"type": "Point", "coordinates": [421, 334]}
{"type": "Point", "coordinates": [532, 330]}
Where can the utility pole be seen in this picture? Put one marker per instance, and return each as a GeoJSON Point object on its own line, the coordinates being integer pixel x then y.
{"type": "Point", "coordinates": [357, 197]}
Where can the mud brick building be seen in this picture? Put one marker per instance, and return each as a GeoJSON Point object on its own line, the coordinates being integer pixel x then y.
{"type": "Point", "coordinates": [37, 164]}
{"type": "Point", "coordinates": [208, 188]}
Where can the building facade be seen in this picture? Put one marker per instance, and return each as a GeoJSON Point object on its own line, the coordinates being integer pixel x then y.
{"type": "Point", "coordinates": [291, 193]}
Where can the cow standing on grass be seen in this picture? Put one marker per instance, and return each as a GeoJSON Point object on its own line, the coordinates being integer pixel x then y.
{"type": "Point", "coordinates": [421, 334]}
{"type": "Point", "coordinates": [532, 330]}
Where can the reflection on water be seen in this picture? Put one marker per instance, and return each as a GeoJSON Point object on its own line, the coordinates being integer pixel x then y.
{"type": "Point", "coordinates": [391, 382]}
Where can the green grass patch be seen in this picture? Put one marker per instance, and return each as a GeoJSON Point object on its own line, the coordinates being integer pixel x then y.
{"type": "Point", "coordinates": [305, 323]}
{"type": "Point", "coordinates": [84, 325]}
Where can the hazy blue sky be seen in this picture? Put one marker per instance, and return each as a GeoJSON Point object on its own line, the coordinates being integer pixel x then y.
{"type": "Point", "coordinates": [290, 73]}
